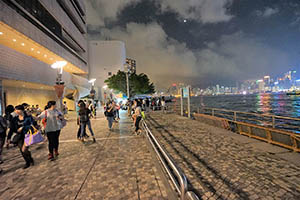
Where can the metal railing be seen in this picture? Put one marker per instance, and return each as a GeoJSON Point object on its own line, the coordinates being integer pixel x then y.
{"type": "Point", "coordinates": [176, 175]}
{"type": "Point", "coordinates": [271, 121]}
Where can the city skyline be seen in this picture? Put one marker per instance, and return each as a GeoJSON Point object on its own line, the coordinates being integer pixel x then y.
{"type": "Point", "coordinates": [202, 42]}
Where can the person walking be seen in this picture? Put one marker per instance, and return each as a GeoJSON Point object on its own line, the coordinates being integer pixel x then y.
{"type": "Point", "coordinates": [84, 116]}
{"type": "Point", "coordinates": [53, 119]}
{"type": "Point", "coordinates": [137, 116]}
{"type": "Point", "coordinates": [78, 121]}
{"type": "Point", "coordinates": [22, 123]}
{"type": "Point", "coordinates": [9, 115]}
{"type": "Point", "coordinates": [163, 104]}
{"type": "Point", "coordinates": [3, 129]}
{"type": "Point", "coordinates": [109, 113]}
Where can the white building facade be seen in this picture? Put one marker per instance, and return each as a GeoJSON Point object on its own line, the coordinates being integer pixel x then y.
{"type": "Point", "coordinates": [105, 59]}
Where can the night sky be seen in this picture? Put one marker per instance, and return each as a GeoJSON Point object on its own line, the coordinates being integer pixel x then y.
{"type": "Point", "coordinates": [202, 42]}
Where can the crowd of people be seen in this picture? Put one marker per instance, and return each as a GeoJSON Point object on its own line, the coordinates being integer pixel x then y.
{"type": "Point", "coordinates": [18, 120]}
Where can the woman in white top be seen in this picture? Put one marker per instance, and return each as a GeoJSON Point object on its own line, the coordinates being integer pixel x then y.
{"type": "Point", "coordinates": [53, 127]}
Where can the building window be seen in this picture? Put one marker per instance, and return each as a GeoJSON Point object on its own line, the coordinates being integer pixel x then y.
{"type": "Point", "coordinates": [36, 9]}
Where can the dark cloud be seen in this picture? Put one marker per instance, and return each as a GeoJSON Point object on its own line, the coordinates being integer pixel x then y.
{"type": "Point", "coordinates": [233, 42]}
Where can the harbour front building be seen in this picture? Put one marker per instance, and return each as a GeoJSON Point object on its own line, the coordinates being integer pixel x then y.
{"type": "Point", "coordinates": [34, 34]}
{"type": "Point", "coordinates": [106, 58]}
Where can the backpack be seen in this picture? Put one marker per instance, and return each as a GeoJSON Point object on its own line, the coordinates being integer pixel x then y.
{"type": "Point", "coordinates": [44, 120]}
{"type": "Point", "coordinates": [84, 117]}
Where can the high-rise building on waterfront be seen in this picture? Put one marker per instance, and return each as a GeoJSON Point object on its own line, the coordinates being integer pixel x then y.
{"type": "Point", "coordinates": [261, 86]}
{"type": "Point", "coordinates": [34, 34]}
{"type": "Point", "coordinates": [132, 65]}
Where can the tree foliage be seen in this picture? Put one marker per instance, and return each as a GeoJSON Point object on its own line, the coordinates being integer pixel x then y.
{"type": "Point", "coordinates": [139, 83]}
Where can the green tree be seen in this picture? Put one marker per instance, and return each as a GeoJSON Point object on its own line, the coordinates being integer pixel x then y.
{"type": "Point", "coordinates": [139, 83]}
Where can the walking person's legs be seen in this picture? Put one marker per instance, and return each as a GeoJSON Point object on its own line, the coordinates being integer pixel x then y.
{"type": "Point", "coordinates": [137, 124]}
{"type": "Point", "coordinates": [51, 143]}
{"type": "Point", "coordinates": [25, 153]}
{"type": "Point", "coordinates": [56, 142]}
{"type": "Point", "coordinates": [110, 122]}
{"type": "Point", "coordinates": [79, 132]}
{"type": "Point", "coordinates": [82, 127]}
{"type": "Point", "coordinates": [91, 130]}
{"type": "Point", "coordinates": [2, 141]}
{"type": "Point", "coordinates": [118, 114]}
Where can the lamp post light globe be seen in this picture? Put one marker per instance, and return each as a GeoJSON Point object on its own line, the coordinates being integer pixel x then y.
{"type": "Point", "coordinates": [59, 65]}
{"type": "Point", "coordinates": [92, 81]}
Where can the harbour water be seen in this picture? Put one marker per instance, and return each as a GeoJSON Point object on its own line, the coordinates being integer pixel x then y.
{"type": "Point", "coordinates": [275, 104]}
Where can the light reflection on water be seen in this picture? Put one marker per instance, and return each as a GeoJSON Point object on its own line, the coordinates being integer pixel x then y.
{"type": "Point", "coordinates": [276, 104]}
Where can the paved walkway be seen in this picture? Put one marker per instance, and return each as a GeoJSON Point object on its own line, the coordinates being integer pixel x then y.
{"type": "Point", "coordinates": [224, 165]}
{"type": "Point", "coordinates": [118, 166]}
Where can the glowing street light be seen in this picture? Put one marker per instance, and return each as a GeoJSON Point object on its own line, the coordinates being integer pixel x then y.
{"type": "Point", "coordinates": [59, 65]}
{"type": "Point", "coordinates": [92, 81]}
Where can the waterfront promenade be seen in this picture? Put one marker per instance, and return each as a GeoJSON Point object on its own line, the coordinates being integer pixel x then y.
{"type": "Point", "coordinates": [224, 165]}
{"type": "Point", "coordinates": [118, 166]}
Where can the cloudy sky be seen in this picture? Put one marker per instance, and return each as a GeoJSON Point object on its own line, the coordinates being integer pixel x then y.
{"type": "Point", "coordinates": [202, 42]}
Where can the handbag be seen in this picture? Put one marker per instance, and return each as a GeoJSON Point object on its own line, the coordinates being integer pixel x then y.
{"type": "Point", "coordinates": [33, 136]}
{"type": "Point", "coordinates": [15, 138]}
{"type": "Point", "coordinates": [63, 123]}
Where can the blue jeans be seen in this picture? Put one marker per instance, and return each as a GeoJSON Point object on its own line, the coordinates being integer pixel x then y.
{"type": "Point", "coordinates": [83, 126]}
{"type": "Point", "coordinates": [110, 121]}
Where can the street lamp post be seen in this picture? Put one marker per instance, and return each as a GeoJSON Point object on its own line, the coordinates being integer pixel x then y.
{"type": "Point", "coordinates": [59, 87]}
{"type": "Point", "coordinates": [127, 70]}
{"type": "Point", "coordinates": [92, 92]}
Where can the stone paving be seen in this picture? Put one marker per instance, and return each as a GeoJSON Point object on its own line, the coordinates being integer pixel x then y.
{"type": "Point", "coordinates": [118, 166]}
{"type": "Point", "coordinates": [224, 165]}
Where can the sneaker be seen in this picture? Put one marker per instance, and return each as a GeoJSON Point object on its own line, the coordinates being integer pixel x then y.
{"type": "Point", "coordinates": [56, 153]}
{"type": "Point", "coordinates": [26, 165]}
{"type": "Point", "coordinates": [94, 140]}
{"type": "Point", "coordinates": [32, 162]}
{"type": "Point", "coordinates": [50, 156]}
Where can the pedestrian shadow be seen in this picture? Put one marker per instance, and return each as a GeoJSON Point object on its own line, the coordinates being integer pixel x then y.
{"type": "Point", "coordinates": [242, 194]}
{"type": "Point", "coordinates": [12, 169]}
{"type": "Point", "coordinates": [89, 143]}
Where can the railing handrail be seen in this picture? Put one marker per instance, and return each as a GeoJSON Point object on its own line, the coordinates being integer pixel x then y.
{"type": "Point", "coordinates": [182, 186]}
{"type": "Point", "coordinates": [248, 113]}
